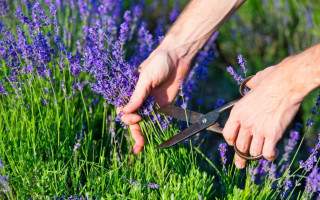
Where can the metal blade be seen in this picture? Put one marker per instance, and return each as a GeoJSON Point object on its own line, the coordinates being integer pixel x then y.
{"type": "Point", "coordinates": [204, 122]}
{"type": "Point", "coordinates": [188, 132]}
{"type": "Point", "coordinates": [180, 114]}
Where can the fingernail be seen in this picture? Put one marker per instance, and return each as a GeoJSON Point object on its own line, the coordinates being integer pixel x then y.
{"type": "Point", "coordinates": [239, 165]}
{"type": "Point", "coordinates": [136, 149]}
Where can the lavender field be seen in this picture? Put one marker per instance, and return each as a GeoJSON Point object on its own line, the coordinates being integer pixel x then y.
{"type": "Point", "coordinates": [65, 66]}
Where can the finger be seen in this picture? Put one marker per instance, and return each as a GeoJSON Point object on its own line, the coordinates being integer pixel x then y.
{"type": "Point", "coordinates": [269, 150]}
{"type": "Point", "coordinates": [140, 93]}
{"type": "Point", "coordinates": [243, 144]}
{"type": "Point", "coordinates": [130, 119]}
{"type": "Point", "coordinates": [137, 137]}
{"type": "Point", "coordinates": [256, 145]}
{"type": "Point", "coordinates": [230, 131]}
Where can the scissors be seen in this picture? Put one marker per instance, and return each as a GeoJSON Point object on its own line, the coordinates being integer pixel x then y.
{"type": "Point", "coordinates": [201, 122]}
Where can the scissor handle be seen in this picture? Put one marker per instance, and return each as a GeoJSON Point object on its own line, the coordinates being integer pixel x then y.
{"type": "Point", "coordinates": [243, 84]}
{"type": "Point", "coordinates": [218, 129]}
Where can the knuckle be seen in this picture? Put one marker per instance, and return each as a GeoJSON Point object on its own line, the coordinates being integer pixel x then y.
{"type": "Point", "coordinates": [269, 155]}
{"type": "Point", "coordinates": [246, 125]}
{"type": "Point", "coordinates": [273, 136]}
{"type": "Point", "coordinates": [229, 136]}
{"type": "Point", "coordinates": [243, 147]}
{"type": "Point", "coordinates": [254, 152]}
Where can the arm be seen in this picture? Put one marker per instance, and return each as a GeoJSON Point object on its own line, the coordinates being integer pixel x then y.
{"type": "Point", "coordinates": [196, 24]}
{"type": "Point", "coordinates": [160, 72]}
{"type": "Point", "coordinates": [259, 119]}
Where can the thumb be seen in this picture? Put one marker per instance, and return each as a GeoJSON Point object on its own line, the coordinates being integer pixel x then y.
{"type": "Point", "coordinates": [259, 76]}
{"type": "Point", "coordinates": [253, 81]}
{"type": "Point", "coordinates": [141, 92]}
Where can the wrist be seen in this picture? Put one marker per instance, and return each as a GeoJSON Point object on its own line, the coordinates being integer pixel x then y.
{"type": "Point", "coordinates": [180, 47]}
{"type": "Point", "coordinates": [302, 72]}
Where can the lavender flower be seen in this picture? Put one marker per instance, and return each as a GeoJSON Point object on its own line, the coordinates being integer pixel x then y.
{"type": "Point", "coordinates": [1, 163]}
{"type": "Point", "coordinates": [310, 122]}
{"type": "Point", "coordinates": [174, 14]}
{"type": "Point", "coordinates": [312, 182]}
{"type": "Point", "coordinates": [292, 142]}
{"type": "Point", "coordinates": [312, 159]}
{"type": "Point", "coordinates": [223, 148]}
{"type": "Point", "coordinates": [80, 86]}
{"type": "Point", "coordinates": [152, 185]}
{"type": "Point", "coordinates": [53, 10]}
{"type": "Point", "coordinates": [235, 75]}
{"type": "Point", "coordinates": [242, 62]}
{"type": "Point", "coordinates": [3, 90]}
{"type": "Point", "coordinates": [79, 138]}
{"type": "Point", "coordinates": [219, 103]}
{"type": "Point", "coordinates": [309, 18]}
{"type": "Point", "coordinates": [3, 7]}
{"type": "Point", "coordinates": [83, 9]}
{"type": "Point", "coordinates": [4, 182]}
{"type": "Point", "coordinates": [287, 184]}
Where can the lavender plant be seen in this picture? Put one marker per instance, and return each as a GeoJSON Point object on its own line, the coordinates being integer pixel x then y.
{"type": "Point", "coordinates": [51, 78]}
{"type": "Point", "coordinates": [65, 66]}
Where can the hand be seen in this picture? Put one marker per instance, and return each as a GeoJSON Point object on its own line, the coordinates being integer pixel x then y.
{"type": "Point", "coordinates": [259, 119]}
{"type": "Point", "coordinates": [159, 77]}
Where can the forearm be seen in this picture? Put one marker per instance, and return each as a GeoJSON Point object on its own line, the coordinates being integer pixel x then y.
{"type": "Point", "coordinates": [302, 71]}
{"type": "Point", "coordinates": [199, 20]}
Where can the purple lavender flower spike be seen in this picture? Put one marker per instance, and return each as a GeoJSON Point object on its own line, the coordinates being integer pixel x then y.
{"type": "Point", "coordinates": [309, 18]}
{"type": "Point", "coordinates": [4, 182]}
{"type": "Point", "coordinates": [80, 86]}
{"type": "Point", "coordinates": [253, 171]}
{"type": "Point", "coordinates": [78, 139]}
{"type": "Point", "coordinates": [312, 159]}
{"type": "Point", "coordinates": [242, 62]}
{"type": "Point", "coordinates": [152, 185]}
{"type": "Point", "coordinates": [3, 90]}
{"type": "Point", "coordinates": [1, 162]}
{"type": "Point", "coordinates": [223, 148]}
{"type": "Point", "coordinates": [3, 7]}
{"type": "Point", "coordinates": [236, 77]}
{"type": "Point", "coordinates": [292, 142]}
{"type": "Point", "coordinates": [312, 183]}
{"type": "Point", "coordinates": [174, 14]}
{"type": "Point", "coordinates": [309, 122]}
{"type": "Point", "coordinates": [53, 10]}
{"type": "Point", "coordinates": [219, 103]}
{"type": "Point", "coordinates": [102, 10]}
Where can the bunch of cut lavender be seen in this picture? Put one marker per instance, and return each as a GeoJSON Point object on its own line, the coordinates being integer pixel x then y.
{"type": "Point", "coordinates": [104, 60]}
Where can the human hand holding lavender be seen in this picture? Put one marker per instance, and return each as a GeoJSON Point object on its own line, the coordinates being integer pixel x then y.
{"type": "Point", "coordinates": [160, 73]}
{"type": "Point", "coordinates": [159, 77]}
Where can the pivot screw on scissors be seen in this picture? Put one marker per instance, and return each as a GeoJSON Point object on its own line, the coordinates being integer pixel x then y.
{"type": "Point", "coordinates": [202, 122]}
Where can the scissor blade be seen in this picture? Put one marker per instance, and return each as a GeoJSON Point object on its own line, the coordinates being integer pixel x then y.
{"type": "Point", "coordinates": [180, 114]}
{"type": "Point", "coordinates": [186, 133]}
{"type": "Point", "coordinates": [204, 122]}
